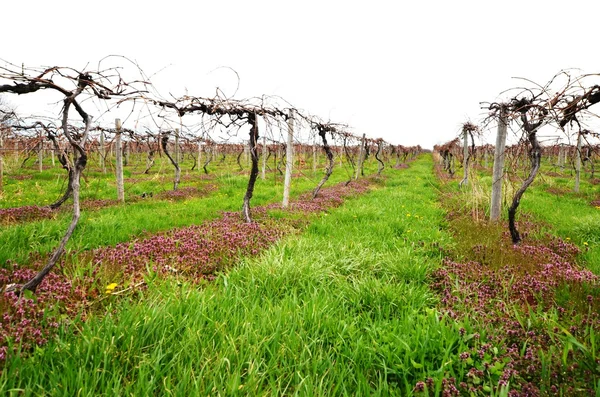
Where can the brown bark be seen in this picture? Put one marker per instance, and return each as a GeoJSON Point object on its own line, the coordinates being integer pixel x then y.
{"type": "Point", "coordinates": [348, 155]}
{"type": "Point", "coordinates": [381, 164]}
{"type": "Point", "coordinates": [329, 169]}
{"type": "Point", "coordinates": [164, 142]}
{"type": "Point", "coordinates": [79, 165]}
{"type": "Point", "coordinates": [209, 155]}
{"type": "Point", "coordinates": [64, 161]}
{"type": "Point", "coordinates": [149, 161]}
{"type": "Point", "coordinates": [254, 170]}
{"type": "Point", "coordinates": [535, 157]}
{"type": "Point", "coordinates": [239, 157]}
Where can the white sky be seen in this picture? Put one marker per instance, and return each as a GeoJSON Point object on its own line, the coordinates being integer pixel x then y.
{"type": "Point", "coordinates": [409, 72]}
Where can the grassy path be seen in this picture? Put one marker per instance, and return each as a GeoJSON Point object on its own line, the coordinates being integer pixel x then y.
{"type": "Point", "coordinates": [343, 309]}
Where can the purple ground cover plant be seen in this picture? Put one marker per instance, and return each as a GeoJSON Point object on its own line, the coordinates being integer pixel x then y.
{"type": "Point", "coordinates": [25, 214]}
{"type": "Point", "coordinates": [29, 320]}
{"type": "Point", "coordinates": [195, 253]}
{"type": "Point", "coordinates": [533, 309]}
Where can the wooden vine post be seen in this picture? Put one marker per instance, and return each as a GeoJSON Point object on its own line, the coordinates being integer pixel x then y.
{"type": "Point", "coordinates": [102, 151]}
{"type": "Point", "coordinates": [289, 160]}
{"type": "Point", "coordinates": [485, 158]}
{"type": "Point", "coordinates": [199, 161]}
{"type": "Point", "coordinates": [561, 157]}
{"type": "Point", "coordinates": [578, 163]}
{"type": "Point", "coordinates": [465, 180]}
{"type": "Point", "coordinates": [176, 148]}
{"type": "Point", "coordinates": [263, 173]}
{"type": "Point", "coordinates": [41, 153]}
{"type": "Point", "coordinates": [119, 162]}
{"type": "Point", "coordinates": [314, 151]}
{"type": "Point", "coordinates": [176, 163]}
{"type": "Point", "coordinates": [498, 170]}
{"type": "Point", "coordinates": [247, 155]}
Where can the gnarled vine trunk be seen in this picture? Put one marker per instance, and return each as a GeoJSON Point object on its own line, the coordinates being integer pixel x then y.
{"type": "Point", "coordinates": [63, 160]}
{"type": "Point", "coordinates": [381, 164]}
{"type": "Point", "coordinates": [330, 162]}
{"type": "Point", "coordinates": [239, 156]}
{"type": "Point", "coordinates": [252, 120]}
{"type": "Point", "coordinates": [535, 157]}
{"type": "Point", "coordinates": [77, 168]}
{"type": "Point", "coordinates": [209, 156]}
{"type": "Point", "coordinates": [164, 141]}
{"type": "Point", "coordinates": [74, 178]}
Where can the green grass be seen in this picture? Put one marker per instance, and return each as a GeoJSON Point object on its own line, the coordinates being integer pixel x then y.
{"type": "Point", "coordinates": [342, 309]}
{"type": "Point", "coordinates": [572, 218]}
{"type": "Point", "coordinates": [568, 215]}
{"type": "Point", "coordinates": [566, 314]}
{"type": "Point", "coordinates": [28, 186]}
{"type": "Point", "coordinates": [115, 224]}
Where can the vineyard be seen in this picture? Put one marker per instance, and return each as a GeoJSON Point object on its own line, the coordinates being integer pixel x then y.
{"type": "Point", "coordinates": [222, 246]}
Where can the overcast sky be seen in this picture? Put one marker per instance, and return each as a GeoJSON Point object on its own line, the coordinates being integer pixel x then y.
{"type": "Point", "coordinates": [409, 72]}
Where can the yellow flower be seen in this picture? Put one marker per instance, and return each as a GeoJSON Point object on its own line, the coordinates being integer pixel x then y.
{"type": "Point", "coordinates": [585, 243]}
{"type": "Point", "coordinates": [110, 288]}
{"type": "Point", "coordinates": [407, 214]}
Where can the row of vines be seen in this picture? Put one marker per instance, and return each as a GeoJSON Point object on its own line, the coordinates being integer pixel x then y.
{"type": "Point", "coordinates": [261, 133]}
{"type": "Point", "coordinates": [542, 118]}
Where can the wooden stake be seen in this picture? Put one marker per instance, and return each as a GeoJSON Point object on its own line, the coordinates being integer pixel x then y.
{"type": "Point", "coordinates": [314, 147]}
{"type": "Point", "coordinates": [176, 158]}
{"type": "Point", "coordinates": [41, 154]}
{"type": "Point", "coordinates": [359, 163]}
{"type": "Point", "coordinates": [199, 157]}
{"type": "Point", "coordinates": [119, 160]}
{"type": "Point", "coordinates": [465, 180]}
{"type": "Point", "coordinates": [578, 164]}
{"type": "Point", "coordinates": [289, 160]}
{"type": "Point", "coordinates": [498, 173]}
{"type": "Point", "coordinates": [263, 172]}
{"type": "Point", "coordinates": [102, 152]}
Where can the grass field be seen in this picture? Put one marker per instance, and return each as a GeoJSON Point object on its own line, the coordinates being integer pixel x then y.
{"type": "Point", "coordinates": [390, 294]}
{"type": "Point", "coordinates": [112, 223]}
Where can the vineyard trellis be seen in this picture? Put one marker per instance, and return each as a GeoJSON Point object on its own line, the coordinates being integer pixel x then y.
{"type": "Point", "coordinates": [72, 141]}
{"type": "Point", "coordinates": [560, 103]}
